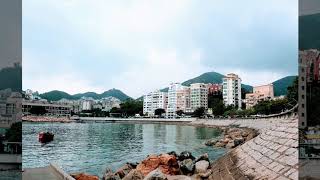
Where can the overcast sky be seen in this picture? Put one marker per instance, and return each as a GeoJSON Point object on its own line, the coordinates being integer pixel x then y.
{"type": "Point", "coordinates": [142, 45]}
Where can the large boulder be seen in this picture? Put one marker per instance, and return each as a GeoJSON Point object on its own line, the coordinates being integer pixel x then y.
{"type": "Point", "coordinates": [220, 144]}
{"type": "Point", "coordinates": [210, 142]}
{"type": "Point", "coordinates": [185, 155]}
{"type": "Point", "coordinates": [83, 176]}
{"type": "Point", "coordinates": [203, 157]}
{"type": "Point", "coordinates": [151, 163]}
{"type": "Point", "coordinates": [109, 175]}
{"type": "Point", "coordinates": [156, 175]}
{"type": "Point", "coordinates": [201, 166]}
{"type": "Point", "coordinates": [230, 144]}
{"type": "Point", "coordinates": [124, 170]}
{"type": "Point", "coordinates": [134, 175]}
{"type": "Point", "coordinates": [168, 164]}
{"type": "Point", "coordinates": [187, 166]}
{"type": "Point", "coordinates": [206, 174]}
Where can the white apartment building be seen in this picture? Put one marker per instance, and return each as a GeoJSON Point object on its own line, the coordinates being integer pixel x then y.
{"type": "Point", "coordinates": [232, 90]}
{"type": "Point", "coordinates": [178, 99]}
{"type": "Point", "coordinates": [154, 100]}
{"type": "Point", "coordinates": [198, 96]}
{"type": "Point", "coordinates": [86, 105]}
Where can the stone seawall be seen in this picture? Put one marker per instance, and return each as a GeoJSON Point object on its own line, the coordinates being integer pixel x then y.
{"type": "Point", "coordinates": [273, 154]}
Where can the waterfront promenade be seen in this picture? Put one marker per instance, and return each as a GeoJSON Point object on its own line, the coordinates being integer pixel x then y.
{"type": "Point", "coordinates": [273, 154]}
{"type": "Point", "coordinates": [133, 120]}
{"type": "Point", "coordinates": [51, 172]}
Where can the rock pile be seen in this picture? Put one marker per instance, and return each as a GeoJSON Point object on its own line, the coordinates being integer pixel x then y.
{"type": "Point", "coordinates": [83, 176]}
{"type": "Point", "coordinates": [167, 166]}
{"type": "Point", "coordinates": [233, 137]}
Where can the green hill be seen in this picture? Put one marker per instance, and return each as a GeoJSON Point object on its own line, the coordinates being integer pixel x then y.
{"type": "Point", "coordinates": [280, 86]}
{"type": "Point", "coordinates": [57, 95]}
{"type": "Point", "coordinates": [309, 28]}
{"type": "Point", "coordinates": [209, 77]}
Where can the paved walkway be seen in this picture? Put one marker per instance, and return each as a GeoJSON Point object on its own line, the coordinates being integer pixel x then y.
{"type": "Point", "coordinates": [271, 155]}
{"type": "Point", "coordinates": [43, 173]}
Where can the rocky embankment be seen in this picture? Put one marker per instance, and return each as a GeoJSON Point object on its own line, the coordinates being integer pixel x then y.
{"type": "Point", "coordinates": [233, 137]}
{"type": "Point", "coordinates": [169, 166]}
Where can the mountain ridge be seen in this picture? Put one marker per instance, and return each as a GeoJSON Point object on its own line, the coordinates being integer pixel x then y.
{"type": "Point", "coordinates": [280, 88]}
{"type": "Point", "coordinates": [56, 95]}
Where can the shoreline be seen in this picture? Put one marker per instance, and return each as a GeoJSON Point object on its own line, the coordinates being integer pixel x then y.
{"type": "Point", "coordinates": [268, 155]}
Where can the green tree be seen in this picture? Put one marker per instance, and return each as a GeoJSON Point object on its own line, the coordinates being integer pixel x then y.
{"type": "Point", "coordinates": [199, 112]}
{"type": "Point", "coordinates": [292, 93]}
{"type": "Point", "coordinates": [218, 107]}
{"type": "Point", "coordinates": [159, 111]}
{"type": "Point", "coordinates": [180, 112]}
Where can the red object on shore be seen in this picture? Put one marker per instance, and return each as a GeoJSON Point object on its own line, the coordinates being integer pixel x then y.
{"type": "Point", "coordinates": [45, 137]}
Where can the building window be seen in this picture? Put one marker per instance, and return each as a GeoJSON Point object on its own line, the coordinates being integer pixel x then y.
{"type": "Point", "coordinates": [302, 78]}
{"type": "Point", "coordinates": [302, 96]}
{"type": "Point", "coordinates": [302, 105]}
{"type": "Point", "coordinates": [302, 123]}
{"type": "Point", "coordinates": [302, 87]}
{"type": "Point", "coordinates": [302, 114]}
{"type": "Point", "coordinates": [302, 69]}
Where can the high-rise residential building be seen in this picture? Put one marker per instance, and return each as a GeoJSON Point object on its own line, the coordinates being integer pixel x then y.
{"type": "Point", "coordinates": [198, 96]}
{"type": "Point", "coordinates": [154, 100]}
{"type": "Point", "coordinates": [87, 104]}
{"type": "Point", "coordinates": [178, 99]}
{"type": "Point", "coordinates": [232, 90]}
{"type": "Point", "coordinates": [183, 99]}
{"type": "Point", "coordinates": [260, 93]}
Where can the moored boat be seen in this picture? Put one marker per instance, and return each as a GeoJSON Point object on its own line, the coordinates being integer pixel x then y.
{"type": "Point", "coordinates": [45, 137]}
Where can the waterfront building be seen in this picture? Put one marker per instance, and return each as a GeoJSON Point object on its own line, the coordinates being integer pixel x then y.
{"type": "Point", "coordinates": [86, 105]}
{"type": "Point", "coordinates": [198, 96]}
{"type": "Point", "coordinates": [232, 90]}
{"type": "Point", "coordinates": [178, 99]}
{"type": "Point", "coordinates": [260, 93]}
{"type": "Point", "coordinates": [52, 109]}
{"type": "Point", "coordinates": [309, 64]}
{"type": "Point", "coordinates": [183, 99]}
{"type": "Point", "coordinates": [10, 107]}
{"type": "Point", "coordinates": [154, 100]}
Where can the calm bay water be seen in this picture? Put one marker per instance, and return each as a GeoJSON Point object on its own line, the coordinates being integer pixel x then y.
{"type": "Point", "coordinates": [92, 147]}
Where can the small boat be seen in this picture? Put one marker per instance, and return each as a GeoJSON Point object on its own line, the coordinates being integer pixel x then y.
{"type": "Point", "coordinates": [45, 137]}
